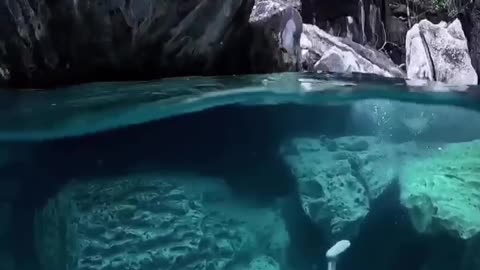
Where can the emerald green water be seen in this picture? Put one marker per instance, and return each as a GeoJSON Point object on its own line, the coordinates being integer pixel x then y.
{"type": "Point", "coordinates": [244, 172]}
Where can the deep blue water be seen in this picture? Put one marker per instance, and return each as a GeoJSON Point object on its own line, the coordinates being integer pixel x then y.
{"type": "Point", "coordinates": [198, 173]}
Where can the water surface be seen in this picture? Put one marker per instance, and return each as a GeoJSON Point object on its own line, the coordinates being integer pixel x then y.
{"type": "Point", "coordinates": [89, 108]}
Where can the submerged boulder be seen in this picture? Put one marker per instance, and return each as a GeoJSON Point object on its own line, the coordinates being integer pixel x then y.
{"type": "Point", "coordinates": [338, 179]}
{"type": "Point", "coordinates": [156, 222]}
{"type": "Point", "coordinates": [439, 52]}
{"type": "Point", "coordinates": [324, 52]}
{"type": "Point", "coordinates": [442, 192]}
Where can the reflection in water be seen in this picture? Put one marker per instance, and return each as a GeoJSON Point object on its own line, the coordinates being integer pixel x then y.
{"type": "Point", "coordinates": [249, 173]}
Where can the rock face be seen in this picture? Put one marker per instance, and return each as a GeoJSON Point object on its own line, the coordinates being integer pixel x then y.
{"type": "Point", "coordinates": [339, 178]}
{"type": "Point", "coordinates": [360, 21]}
{"type": "Point", "coordinates": [442, 192]}
{"type": "Point", "coordinates": [440, 53]}
{"type": "Point", "coordinates": [323, 52]}
{"type": "Point", "coordinates": [63, 41]}
{"type": "Point", "coordinates": [156, 222]}
{"type": "Point", "coordinates": [470, 19]}
{"type": "Point", "coordinates": [276, 29]}
{"type": "Point", "coordinates": [145, 39]}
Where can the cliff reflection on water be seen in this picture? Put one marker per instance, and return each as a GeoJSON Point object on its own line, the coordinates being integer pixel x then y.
{"type": "Point", "coordinates": [255, 172]}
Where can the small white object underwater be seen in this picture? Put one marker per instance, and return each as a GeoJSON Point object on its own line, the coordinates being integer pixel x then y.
{"type": "Point", "coordinates": [335, 251]}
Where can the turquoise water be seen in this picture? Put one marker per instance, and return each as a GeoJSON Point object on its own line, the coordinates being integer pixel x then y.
{"type": "Point", "coordinates": [245, 172]}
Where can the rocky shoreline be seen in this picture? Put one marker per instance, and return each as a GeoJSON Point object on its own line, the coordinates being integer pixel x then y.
{"type": "Point", "coordinates": [47, 44]}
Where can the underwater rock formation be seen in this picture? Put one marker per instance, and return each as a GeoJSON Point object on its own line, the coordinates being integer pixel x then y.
{"type": "Point", "coordinates": [323, 52]}
{"type": "Point", "coordinates": [339, 178]}
{"type": "Point", "coordinates": [439, 52]}
{"type": "Point", "coordinates": [161, 221]}
{"type": "Point", "coordinates": [442, 192]}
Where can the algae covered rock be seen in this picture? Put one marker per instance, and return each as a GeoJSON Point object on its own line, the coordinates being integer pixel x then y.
{"type": "Point", "coordinates": [339, 178]}
{"type": "Point", "coordinates": [442, 192]}
{"type": "Point", "coordinates": [155, 222]}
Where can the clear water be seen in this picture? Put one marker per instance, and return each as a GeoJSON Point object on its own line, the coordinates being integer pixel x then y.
{"type": "Point", "coordinates": [244, 173]}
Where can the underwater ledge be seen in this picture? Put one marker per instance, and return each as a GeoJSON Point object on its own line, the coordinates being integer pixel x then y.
{"type": "Point", "coordinates": [249, 185]}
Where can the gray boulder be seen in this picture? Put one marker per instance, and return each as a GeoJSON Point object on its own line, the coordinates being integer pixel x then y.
{"type": "Point", "coordinates": [263, 8]}
{"type": "Point", "coordinates": [276, 27]}
{"type": "Point", "coordinates": [155, 221]}
{"type": "Point", "coordinates": [439, 52]}
{"type": "Point", "coordinates": [324, 52]}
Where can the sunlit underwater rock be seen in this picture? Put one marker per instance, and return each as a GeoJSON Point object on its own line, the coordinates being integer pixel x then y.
{"type": "Point", "coordinates": [160, 221]}
{"type": "Point", "coordinates": [338, 178]}
{"type": "Point", "coordinates": [442, 192]}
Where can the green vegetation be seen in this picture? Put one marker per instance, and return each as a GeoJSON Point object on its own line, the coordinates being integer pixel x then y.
{"type": "Point", "coordinates": [442, 5]}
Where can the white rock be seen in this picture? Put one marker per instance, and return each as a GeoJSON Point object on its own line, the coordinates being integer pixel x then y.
{"type": "Point", "coordinates": [324, 52]}
{"type": "Point", "coordinates": [439, 52]}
